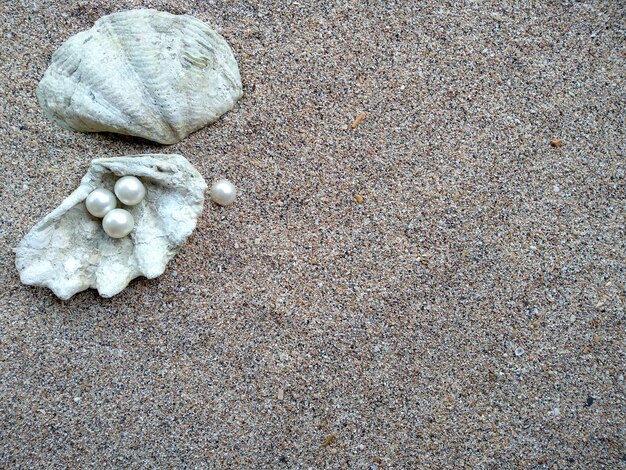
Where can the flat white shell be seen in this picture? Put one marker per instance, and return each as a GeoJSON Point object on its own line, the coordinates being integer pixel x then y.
{"type": "Point", "coordinates": [144, 73]}
{"type": "Point", "coordinates": [68, 251]}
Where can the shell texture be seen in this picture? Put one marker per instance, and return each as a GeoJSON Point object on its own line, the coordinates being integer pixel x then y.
{"type": "Point", "coordinates": [68, 251]}
{"type": "Point", "coordinates": [144, 73]}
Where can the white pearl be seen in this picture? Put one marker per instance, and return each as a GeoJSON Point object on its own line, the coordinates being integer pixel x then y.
{"type": "Point", "coordinates": [100, 202]}
{"type": "Point", "coordinates": [130, 190]}
{"type": "Point", "coordinates": [118, 223]}
{"type": "Point", "coordinates": [223, 192]}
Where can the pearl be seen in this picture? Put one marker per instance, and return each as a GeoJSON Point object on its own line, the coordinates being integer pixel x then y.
{"type": "Point", "coordinates": [118, 223]}
{"type": "Point", "coordinates": [223, 192]}
{"type": "Point", "coordinates": [100, 202]}
{"type": "Point", "coordinates": [130, 190]}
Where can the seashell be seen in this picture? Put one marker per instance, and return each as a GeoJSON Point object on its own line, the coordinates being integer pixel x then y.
{"type": "Point", "coordinates": [141, 72]}
{"type": "Point", "coordinates": [68, 251]}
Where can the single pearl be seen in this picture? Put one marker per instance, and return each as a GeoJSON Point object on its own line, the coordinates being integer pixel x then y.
{"type": "Point", "coordinates": [130, 190]}
{"type": "Point", "coordinates": [223, 192]}
{"type": "Point", "coordinates": [100, 202]}
{"type": "Point", "coordinates": [118, 223]}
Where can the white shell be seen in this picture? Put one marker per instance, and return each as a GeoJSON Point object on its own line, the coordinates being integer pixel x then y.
{"type": "Point", "coordinates": [68, 251]}
{"type": "Point", "coordinates": [144, 73]}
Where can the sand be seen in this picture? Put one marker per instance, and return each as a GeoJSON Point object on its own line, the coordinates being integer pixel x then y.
{"type": "Point", "coordinates": [437, 287]}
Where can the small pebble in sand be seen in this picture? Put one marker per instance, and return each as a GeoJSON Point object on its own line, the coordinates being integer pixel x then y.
{"type": "Point", "coordinates": [358, 198]}
{"type": "Point", "coordinates": [556, 143]}
{"type": "Point", "coordinates": [328, 440]}
{"type": "Point", "coordinates": [519, 351]}
{"type": "Point", "coordinates": [358, 120]}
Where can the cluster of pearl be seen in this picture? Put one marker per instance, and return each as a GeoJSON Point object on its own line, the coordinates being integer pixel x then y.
{"type": "Point", "coordinates": [102, 203]}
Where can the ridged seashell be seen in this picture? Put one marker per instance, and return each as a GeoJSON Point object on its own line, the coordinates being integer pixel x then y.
{"type": "Point", "coordinates": [68, 251]}
{"type": "Point", "coordinates": [144, 73]}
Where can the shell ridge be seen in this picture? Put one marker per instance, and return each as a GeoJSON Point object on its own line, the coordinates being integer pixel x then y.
{"type": "Point", "coordinates": [131, 67]}
{"type": "Point", "coordinates": [100, 98]}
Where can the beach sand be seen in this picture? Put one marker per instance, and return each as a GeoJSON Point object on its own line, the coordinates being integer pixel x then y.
{"type": "Point", "coordinates": [437, 287]}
